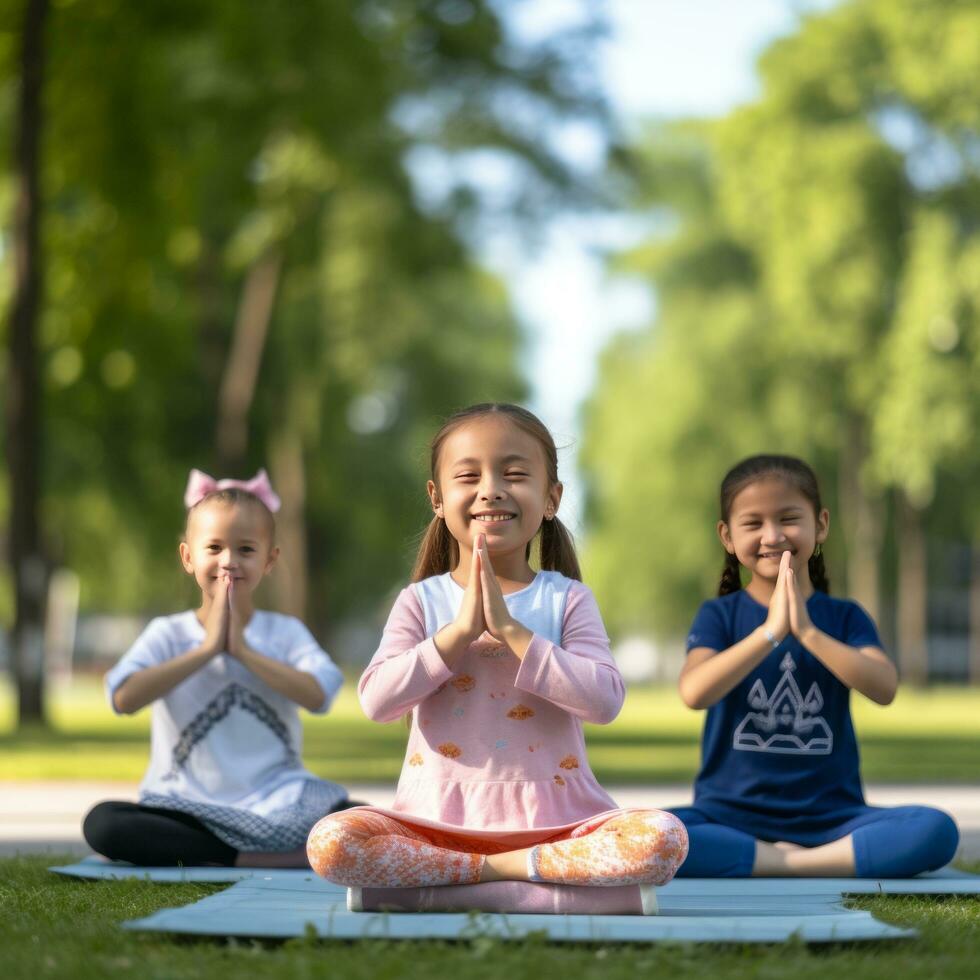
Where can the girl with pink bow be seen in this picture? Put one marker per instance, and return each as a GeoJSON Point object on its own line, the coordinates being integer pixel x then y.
{"type": "Point", "coordinates": [225, 784]}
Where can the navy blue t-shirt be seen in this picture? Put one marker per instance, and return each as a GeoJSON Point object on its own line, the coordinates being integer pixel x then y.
{"type": "Point", "coordinates": [778, 752]}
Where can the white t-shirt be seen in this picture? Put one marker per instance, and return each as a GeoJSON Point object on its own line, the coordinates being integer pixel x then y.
{"type": "Point", "coordinates": [225, 746]}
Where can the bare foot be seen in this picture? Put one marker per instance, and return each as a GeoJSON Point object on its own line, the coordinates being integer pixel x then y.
{"type": "Point", "coordinates": [509, 866]}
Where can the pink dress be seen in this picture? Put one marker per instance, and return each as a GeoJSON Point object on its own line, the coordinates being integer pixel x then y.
{"type": "Point", "coordinates": [496, 745]}
{"type": "Point", "coordinates": [496, 755]}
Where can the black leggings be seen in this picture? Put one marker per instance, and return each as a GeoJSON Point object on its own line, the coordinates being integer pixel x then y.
{"type": "Point", "coordinates": [152, 837]}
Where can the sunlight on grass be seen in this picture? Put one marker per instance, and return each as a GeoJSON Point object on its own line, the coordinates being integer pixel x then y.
{"type": "Point", "coordinates": [926, 735]}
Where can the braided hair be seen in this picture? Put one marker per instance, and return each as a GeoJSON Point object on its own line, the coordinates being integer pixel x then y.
{"type": "Point", "coordinates": [799, 476]}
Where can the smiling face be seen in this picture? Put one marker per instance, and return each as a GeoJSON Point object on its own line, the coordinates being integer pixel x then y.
{"type": "Point", "coordinates": [228, 540]}
{"type": "Point", "coordinates": [768, 517]}
{"type": "Point", "coordinates": [492, 479]}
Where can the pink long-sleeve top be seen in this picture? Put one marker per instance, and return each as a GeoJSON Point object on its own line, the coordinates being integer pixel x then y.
{"type": "Point", "coordinates": [496, 743]}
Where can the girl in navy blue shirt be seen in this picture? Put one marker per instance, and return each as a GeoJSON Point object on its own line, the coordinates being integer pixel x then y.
{"type": "Point", "coordinates": [779, 791]}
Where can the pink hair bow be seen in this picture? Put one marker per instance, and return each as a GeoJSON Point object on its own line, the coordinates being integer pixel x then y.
{"type": "Point", "coordinates": [199, 485]}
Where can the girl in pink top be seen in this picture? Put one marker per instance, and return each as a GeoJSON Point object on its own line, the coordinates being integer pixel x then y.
{"type": "Point", "coordinates": [498, 666]}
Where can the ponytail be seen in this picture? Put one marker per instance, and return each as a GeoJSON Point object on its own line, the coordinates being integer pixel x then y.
{"type": "Point", "coordinates": [438, 551]}
{"type": "Point", "coordinates": [731, 578]}
{"type": "Point", "coordinates": [557, 550]}
{"type": "Point", "coordinates": [818, 572]}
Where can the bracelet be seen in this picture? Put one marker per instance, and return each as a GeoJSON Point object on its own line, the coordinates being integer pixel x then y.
{"type": "Point", "coordinates": [771, 637]}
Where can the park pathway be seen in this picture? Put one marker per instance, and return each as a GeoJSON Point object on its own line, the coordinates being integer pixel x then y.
{"type": "Point", "coordinates": [46, 816]}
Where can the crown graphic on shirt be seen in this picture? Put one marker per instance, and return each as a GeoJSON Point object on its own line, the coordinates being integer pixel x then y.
{"type": "Point", "coordinates": [785, 721]}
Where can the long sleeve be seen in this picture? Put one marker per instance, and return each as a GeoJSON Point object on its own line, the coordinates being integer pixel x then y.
{"type": "Point", "coordinates": [407, 667]}
{"type": "Point", "coordinates": [580, 676]}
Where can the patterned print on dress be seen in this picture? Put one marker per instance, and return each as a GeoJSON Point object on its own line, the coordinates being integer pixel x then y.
{"type": "Point", "coordinates": [234, 695]}
{"type": "Point", "coordinates": [501, 743]}
{"type": "Point", "coordinates": [520, 712]}
{"type": "Point", "coordinates": [494, 653]}
{"type": "Point", "coordinates": [442, 687]}
{"type": "Point", "coordinates": [559, 780]}
{"type": "Point", "coordinates": [450, 750]}
{"type": "Point", "coordinates": [459, 712]}
{"type": "Point", "coordinates": [464, 683]}
{"type": "Point", "coordinates": [488, 646]}
{"type": "Point", "coordinates": [280, 830]}
{"type": "Point", "coordinates": [416, 759]}
{"type": "Point", "coordinates": [569, 762]}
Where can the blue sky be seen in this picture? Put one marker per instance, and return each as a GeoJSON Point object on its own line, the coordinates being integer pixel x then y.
{"type": "Point", "coordinates": [662, 58]}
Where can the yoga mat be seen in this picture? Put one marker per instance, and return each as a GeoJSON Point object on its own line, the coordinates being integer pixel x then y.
{"type": "Point", "coordinates": [946, 881]}
{"type": "Point", "coordinates": [280, 908]}
{"type": "Point", "coordinates": [99, 869]}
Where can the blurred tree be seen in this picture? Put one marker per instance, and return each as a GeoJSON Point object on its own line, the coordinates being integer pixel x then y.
{"type": "Point", "coordinates": [259, 250]}
{"type": "Point", "coordinates": [23, 428]}
{"type": "Point", "coordinates": [849, 192]}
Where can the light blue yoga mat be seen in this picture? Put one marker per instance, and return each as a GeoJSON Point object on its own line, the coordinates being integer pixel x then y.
{"type": "Point", "coordinates": [99, 869]}
{"type": "Point", "coordinates": [946, 881]}
{"type": "Point", "coordinates": [283, 907]}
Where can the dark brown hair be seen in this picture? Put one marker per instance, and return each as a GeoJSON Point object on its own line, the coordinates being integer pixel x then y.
{"type": "Point", "coordinates": [438, 550]}
{"type": "Point", "coordinates": [799, 476]}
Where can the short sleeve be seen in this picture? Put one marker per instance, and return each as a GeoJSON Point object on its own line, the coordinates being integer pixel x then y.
{"type": "Point", "coordinates": [859, 628]}
{"type": "Point", "coordinates": [153, 646]}
{"type": "Point", "coordinates": [709, 629]}
{"type": "Point", "coordinates": [304, 653]}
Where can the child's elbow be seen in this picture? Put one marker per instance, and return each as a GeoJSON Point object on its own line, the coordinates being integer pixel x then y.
{"type": "Point", "coordinates": [376, 709]}
{"type": "Point", "coordinates": [885, 694]}
{"type": "Point", "coordinates": [692, 697]}
{"type": "Point", "coordinates": [887, 686]}
{"type": "Point", "coordinates": [122, 704]}
{"type": "Point", "coordinates": [605, 714]}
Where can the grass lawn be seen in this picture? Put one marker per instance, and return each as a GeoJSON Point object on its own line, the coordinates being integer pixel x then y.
{"type": "Point", "coordinates": [53, 927]}
{"type": "Point", "coordinates": [930, 735]}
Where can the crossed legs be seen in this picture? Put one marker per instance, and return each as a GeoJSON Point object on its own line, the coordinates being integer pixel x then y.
{"type": "Point", "coordinates": [365, 848]}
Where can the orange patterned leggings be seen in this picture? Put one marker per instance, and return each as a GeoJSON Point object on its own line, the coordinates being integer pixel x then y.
{"type": "Point", "coordinates": [369, 849]}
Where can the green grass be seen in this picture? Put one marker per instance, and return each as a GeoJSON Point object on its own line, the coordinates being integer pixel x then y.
{"type": "Point", "coordinates": [52, 927]}
{"type": "Point", "coordinates": [930, 735]}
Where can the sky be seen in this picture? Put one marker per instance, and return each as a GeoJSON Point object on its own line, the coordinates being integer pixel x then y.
{"type": "Point", "coordinates": [662, 58]}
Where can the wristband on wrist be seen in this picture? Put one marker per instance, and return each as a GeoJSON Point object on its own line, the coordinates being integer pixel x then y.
{"type": "Point", "coordinates": [771, 637]}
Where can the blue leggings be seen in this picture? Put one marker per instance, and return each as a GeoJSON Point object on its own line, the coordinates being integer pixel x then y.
{"type": "Point", "coordinates": [889, 842]}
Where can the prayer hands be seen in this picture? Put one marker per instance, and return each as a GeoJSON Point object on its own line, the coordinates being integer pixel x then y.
{"type": "Point", "coordinates": [483, 609]}
{"type": "Point", "coordinates": [799, 618]}
{"type": "Point", "coordinates": [216, 625]}
{"type": "Point", "coordinates": [238, 615]}
{"type": "Point", "coordinates": [778, 621]}
{"type": "Point", "coordinates": [495, 612]}
{"type": "Point", "coordinates": [470, 621]}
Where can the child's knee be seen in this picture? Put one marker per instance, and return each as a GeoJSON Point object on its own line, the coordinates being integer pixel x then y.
{"type": "Point", "coordinates": [98, 828]}
{"type": "Point", "coordinates": [670, 841]}
{"type": "Point", "coordinates": [329, 847]}
{"type": "Point", "coordinates": [653, 843]}
{"type": "Point", "coordinates": [944, 837]}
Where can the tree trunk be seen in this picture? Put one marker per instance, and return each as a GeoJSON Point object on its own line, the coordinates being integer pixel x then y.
{"type": "Point", "coordinates": [244, 360]}
{"type": "Point", "coordinates": [289, 479]}
{"type": "Point", "coordinates": [975, 613]}
{"type": "Point", "coordinates": [22, 402]}
{"type": "Point", "coordinates": [912, 645]}
{"type": "Point", "coordinates": [861, 517]}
